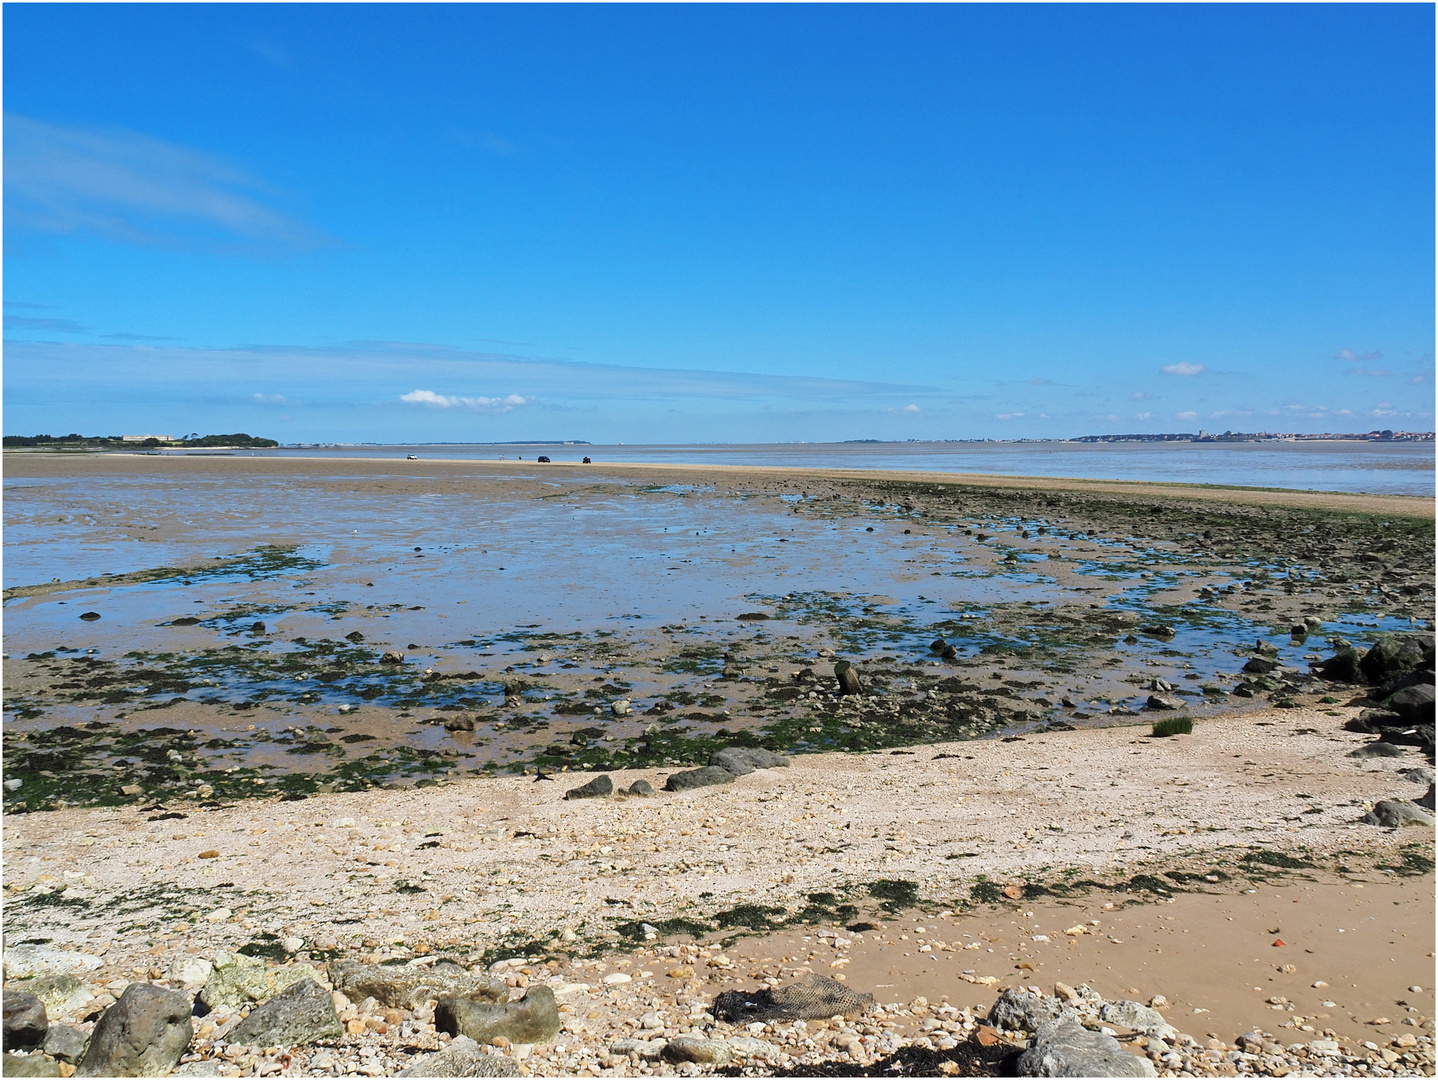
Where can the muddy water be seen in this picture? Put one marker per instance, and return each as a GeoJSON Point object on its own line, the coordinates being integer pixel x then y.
{"type": "Point", "coordinates": [530, 602]}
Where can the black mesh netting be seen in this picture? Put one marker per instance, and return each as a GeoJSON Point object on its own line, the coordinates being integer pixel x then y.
{"type": "Point", "coordinates": [814, 997]}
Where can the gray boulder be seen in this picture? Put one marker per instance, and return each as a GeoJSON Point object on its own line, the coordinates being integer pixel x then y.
{"type": "Point", "coordinates": [742, 760]}
{"type": "Point", "coordinates": [142, 1034]}
{"type": "Point", "coordinates": [534, 1018]}
{"type": "Point", "coordinates": [30, 1065]}
{"type": "Point", "coordinates": [63, 995]}
{"type": "Point", "coordinates": [463, 1057]}
{"type": "Point", "coordinates": [697, 778]}
{"type": "Point", "coordinates": [1164, 701]}
{"type": "Point", "coordinates": [1395, 813]}
{"type": "Point", "coordinates": [302, 1013]}
{"type": "Point", "coordinates": [1396, 654]}
{"type": "Point", "coordinates": [410, 987]}
{"type": "Point", "coordinates": [1414, 703]}
{"type": "Point", "coordinates": [65, 1043]}
{"type": "Point", "coordinates": [1022, 1010]}
{"type": "Point", "coordinates": [641, 787]}
{"type": "Point", "coordinates": [1342, 666]}
{"type": "Point", "coordinates": [1134, 1015]}
{"type": "Point", "coordinates": [597, 788]}
{"type": "Point", "coordinates": [848, 678]}
{"type": "Point", "coordinates": [698, 1050]}
{"type": "Point", "coordinates": [1066, 1048]}
{"type": "Point", "coordinates": [1427, 801]}
{"type": "Point", "coordinates": [1377, 749]}
{"type": "Point", "coordinates": [25, 1022]}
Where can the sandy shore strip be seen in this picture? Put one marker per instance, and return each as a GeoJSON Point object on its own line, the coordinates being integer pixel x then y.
{"type": "Point", "coordinates": [1204, 850]}
{"type": "Point", "coordinates": [37, 465]}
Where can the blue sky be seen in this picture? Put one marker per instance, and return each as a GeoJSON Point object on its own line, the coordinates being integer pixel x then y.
{"type": "Point", "coordinates": [717, 223]}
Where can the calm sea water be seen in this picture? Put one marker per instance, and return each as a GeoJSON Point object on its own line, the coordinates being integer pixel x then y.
{"type": "Point", "coordinates": [1375, 468]}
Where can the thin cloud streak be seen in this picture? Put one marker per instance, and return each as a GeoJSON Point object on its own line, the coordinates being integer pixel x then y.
{"type": "Point", "coordinates": [133, 188]}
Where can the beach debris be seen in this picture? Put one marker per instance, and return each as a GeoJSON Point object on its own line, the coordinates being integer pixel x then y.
{"type": "Point", "coordinates": [597, 788]}
{"type": "Point", "coordinates": [303, 1012]}
{"type": "Point", "coordinates": [533, 1018]}
{"type": "Point", "coordinates": [814, 997]}
{"type": "Point", "coordinates": [25, 1021]}
{"type": "Point", "coordinates": [142, 1034]}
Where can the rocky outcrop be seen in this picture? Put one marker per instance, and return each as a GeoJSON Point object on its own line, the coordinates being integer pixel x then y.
{"type": "Point", "coordinates": [463, 1057]}
{"type": "Point", "coordinates": [409, 987]}
{"type": "Point", "coordinates": [25, 1020]}
{"type": "Point", "coordinates": [1064, 1047]}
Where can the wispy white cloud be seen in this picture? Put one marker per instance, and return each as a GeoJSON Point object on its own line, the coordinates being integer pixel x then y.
{"type": "Point", "coordinates": [272, 399]}
{"type": "Point", "coordinates": [1010, 415]}
{"type": "Point", "coordinates": [475, 404]}
{"type": "Point", "coordinates": [1189, 415]}
{"type": "Point", "coordinates": [1183, 367]}
{"type": "Point", "coordinates": [1358, 358]}
{"type": "Point", "coordinates": [1376, 373]}
{"type": "Point", "coordinates": [131, 187]}
{"type": "Point", "coordinates": [1139, 395]}
{"type": "Point", "coordinates": [1143, 416]}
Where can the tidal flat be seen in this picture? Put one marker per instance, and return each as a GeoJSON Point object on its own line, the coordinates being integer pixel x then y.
{"type": "Point", "coordinates": [299, 626]}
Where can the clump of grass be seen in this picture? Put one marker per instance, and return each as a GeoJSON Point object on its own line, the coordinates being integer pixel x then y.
{"type": "Point", "coordinates": [1174, 725]}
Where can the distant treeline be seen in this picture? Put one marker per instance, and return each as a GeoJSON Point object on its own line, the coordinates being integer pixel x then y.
{"type": "Point", "coordinates": [107, 442]}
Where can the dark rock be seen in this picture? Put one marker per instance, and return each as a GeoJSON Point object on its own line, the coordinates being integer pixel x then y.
{"type": "Point", "coordinates": [257, 628]}
{"type": "Point", "coordinates": [1265, 648]}
{"type": "Point", "coordinates": [1395, 813]}
{"type": "Point", "coordinates": [303, 1013]}
{"type": "Point", "coordinates": [463, 1057]}
{"type": "Point", "coordinates": [1342, 666]}
{"type": "Point", "coordinates": [459, 723]}
{"type": "Point", "coordinates": [1414, 703]}
{"type": "Point", "coordinates": [534, 1018]}
{"type": "Point", "coordinates": [1258, 665]}
{"type": "Point", "coordinates": [30, 1065]}
{"type": "Point", "coordinates": [1376, 750]}
{"type": "Point", "coordinates": [1419, 735]}
{"type": "Point", "coordinates": [354, 635]}
{"type": "Point", "coordinates": [410, 987]}
{"type": "Point", "coordinates": [392, 658]}
{"type": "Point", "coordinates": [65, 1043]}
{"type": "Point", "coordinates": [25, 1021]}
{"type": "Point", "coordinates": [641, 787]}
{"type": "Point", "coordinates": [1158, 630]}
{"type": "Point", "coordinates": [1298, 631]}
{"type": "Point", "coordinates": [1164, 701]}
{"type": "Point", "coordinates": [1065, 1048]}
{"type": "Point", "coordinates": [1396, 654]}
{"type": "Point", "coordinates": [848, 678]}
{"type": "Point", "coordinates": [1412, 678]}
{"type": "Point", "coordinates": [708, 776]}
{"type": "Point", "coordinates": [1021, 1010]}
{"type": "Point", "coordinates": [89, 616]}
{"type": "Point", "coordinates": [1427, 801]}
{"type": "Point", "coordinates": [742, 760]}
{"type": "Point", "coordinates": [753, 616]}
{"type": "Point", "coordinates": [142, 1034]}
{"type": "Point", "coordinates": [597, 788]}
